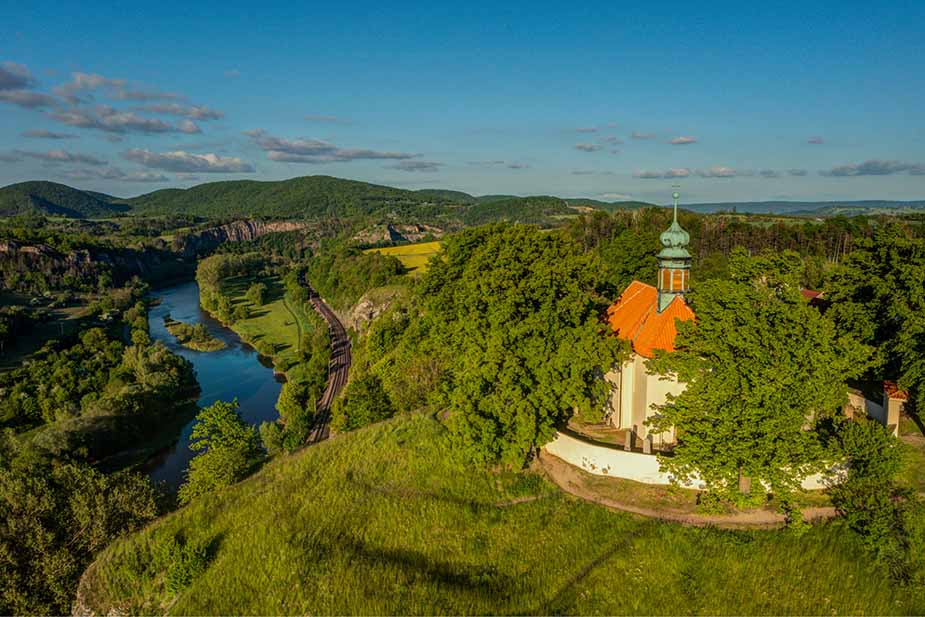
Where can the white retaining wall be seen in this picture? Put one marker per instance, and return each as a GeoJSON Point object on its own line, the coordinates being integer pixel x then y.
{"type": "Point", "coordinates": [617, 463]}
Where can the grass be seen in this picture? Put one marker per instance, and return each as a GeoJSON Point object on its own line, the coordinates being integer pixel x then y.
{"type": "Point", "coordinates": [913, 445]}
{"type": "Point", "coordinates": [274, 326]}
{"type": "Point", "coordinates": [385, 520]}
{"type": "Point", "coordinates": [413, 256]}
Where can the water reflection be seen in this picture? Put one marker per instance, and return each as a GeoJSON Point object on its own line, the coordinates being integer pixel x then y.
{"type": "Point", "coordinates": [236, 371]}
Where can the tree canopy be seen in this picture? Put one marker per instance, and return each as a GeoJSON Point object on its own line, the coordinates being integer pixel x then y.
{"type": "Point", "coordinates": [517, 314]}
{"type": "Point", "coordinates": [228, 449]}
{"type": "Point", "coordinates": [878, 295]}
{"type": "Point", "coordinates": [763, 370]}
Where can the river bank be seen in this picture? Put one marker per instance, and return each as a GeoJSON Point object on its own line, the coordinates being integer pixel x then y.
{"type": "Point", "coordinates": [235, 372]}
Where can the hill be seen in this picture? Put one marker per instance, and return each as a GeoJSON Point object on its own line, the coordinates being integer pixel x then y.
{"type": "Point", "coordinates": [385, 521]}
{"type": "Point", "coordinates": [539, 210]}
{"type": "Point", "coordinates": [609, 206]}
{"type": "Point", "coordinates": [304, 197]}
{"type": "Point", "coordinates": [447, 195]}
{"type": "Point", "coordinates": [56, 199]}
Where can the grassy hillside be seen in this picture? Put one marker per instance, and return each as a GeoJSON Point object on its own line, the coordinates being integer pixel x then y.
{"type": "Point", "coordinates": [384, 521]}
{"type": "Point", "coordinates": [308, 196]}
{"type": "Point", "coordinates": [55, 199]}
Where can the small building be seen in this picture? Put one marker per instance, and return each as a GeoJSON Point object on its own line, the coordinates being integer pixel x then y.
{"type": "Point", "coordinates": [646, 316]}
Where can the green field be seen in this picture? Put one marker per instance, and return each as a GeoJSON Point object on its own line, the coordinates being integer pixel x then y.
{"type": "Point", "coordinates": [412, 256]}
{"type": "Point", "coordinates": [275, 324]}
{"type": "Point", "coordinates": [384, 521]}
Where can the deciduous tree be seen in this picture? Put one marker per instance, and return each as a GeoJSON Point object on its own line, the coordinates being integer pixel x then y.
{"type": "Point", "coordinates": [762, 369]}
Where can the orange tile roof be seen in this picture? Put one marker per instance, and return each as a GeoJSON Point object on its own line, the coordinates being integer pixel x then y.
{"type": "Point", "coordinates": [634, 317]}
{"type": "Point", "coordinates": [893, 391]}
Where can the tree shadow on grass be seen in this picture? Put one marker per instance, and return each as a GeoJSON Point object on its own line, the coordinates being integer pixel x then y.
{"type": "Point", "coordinates": [481, 580]}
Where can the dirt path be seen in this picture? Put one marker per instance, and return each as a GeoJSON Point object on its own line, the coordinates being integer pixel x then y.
{"type": "Point", "coordinates": [569, 479]}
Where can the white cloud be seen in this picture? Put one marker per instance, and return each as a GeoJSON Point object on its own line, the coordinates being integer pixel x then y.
{"type": "Point", "coordinates": [62, 156]}
{"type": "Point", "coordinates": [719, 171]}
{"type": "Point", "coordinates": [876, 167]}
{"type": "Point", "coordinates": [194, 112]}
{"type": "Point", "coordinates": [588, 147]}
{"type": "Point", "coordinates": [815, 139]}
{"type": "Point", "coordinates": [15, 76]}
{"type": "Point", "coordinates": [43, 134]}
{"type": "Point", "coordinates": [415, 166]}
{"type": "Point", "coordinates": [28, 98]}
{"type": "Point", "coordinates": [683, 140]}
{"type": "Point", "coordinates": [638, 135]}
{"type": "Point", "coordinates": [314, 151]}
{"type": "Point", "coordinates": [186, 162]}
{"type": "Point", "coordinates": [114, 173]}
{"type": "Point", "coordinates": [106, 118]}
{"type": "Point", "coordinates": [615, 196]}
{"type": "Point", "coordinates": [680, 172]}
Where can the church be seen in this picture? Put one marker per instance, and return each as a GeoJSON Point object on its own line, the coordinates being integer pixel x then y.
{"type": "Point", "coordinates": [646, 316]}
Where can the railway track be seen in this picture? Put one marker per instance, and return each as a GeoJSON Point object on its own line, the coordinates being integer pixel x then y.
{"type": "Point", "coordinates": [338, 368]}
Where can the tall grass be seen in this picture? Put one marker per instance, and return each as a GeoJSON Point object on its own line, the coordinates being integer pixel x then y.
{"type": "Point", "coordinates": [386, 520]}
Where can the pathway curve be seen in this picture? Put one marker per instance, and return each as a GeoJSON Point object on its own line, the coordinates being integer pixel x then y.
{"type": "Point", "coordinates": [567, 477]}
{"type": "Point", "coordinates": [338, 368]}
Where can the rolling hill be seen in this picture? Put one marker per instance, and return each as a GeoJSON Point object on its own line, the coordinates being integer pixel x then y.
{"type": "Point", "coordinates": [304, 197]}
{"type": "Point", "coordinates": [310, 197]}
{"type": "Point", "coordinates": [390, 520]}
{"type": "Point", "coordinates": [55, 199]}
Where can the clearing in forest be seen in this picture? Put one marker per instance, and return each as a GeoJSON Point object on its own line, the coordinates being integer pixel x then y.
{"type": "Point", "coordinates": [412, 256]}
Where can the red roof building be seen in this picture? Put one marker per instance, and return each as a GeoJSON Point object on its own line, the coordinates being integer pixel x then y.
{"type": "Point", "coordinates": [635, 317]}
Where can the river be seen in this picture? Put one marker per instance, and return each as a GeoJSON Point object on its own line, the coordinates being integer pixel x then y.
{"type": "Point", "coordinates": [233, 372]}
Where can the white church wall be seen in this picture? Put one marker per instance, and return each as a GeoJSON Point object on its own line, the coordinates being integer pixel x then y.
{"type": "Point", "coordinates": [603, 460]}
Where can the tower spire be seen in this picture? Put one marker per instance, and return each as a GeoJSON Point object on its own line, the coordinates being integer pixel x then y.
{"type": "Point", "coordinates": [674, 262]}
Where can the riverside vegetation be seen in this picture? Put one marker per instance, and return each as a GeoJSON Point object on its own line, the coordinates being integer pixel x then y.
{"type": "Point", "coordinates": [194, 337]}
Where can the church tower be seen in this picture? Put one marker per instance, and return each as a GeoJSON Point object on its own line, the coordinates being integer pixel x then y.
{"type": "Point", "coordinates": [674, 262]}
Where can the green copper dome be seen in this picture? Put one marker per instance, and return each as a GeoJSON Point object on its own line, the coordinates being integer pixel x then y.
{"type": "Point", "coordinates": [675, 239]}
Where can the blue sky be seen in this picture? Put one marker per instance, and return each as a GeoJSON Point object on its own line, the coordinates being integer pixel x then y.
{"type": "Point", "coordinates": [739, 101]}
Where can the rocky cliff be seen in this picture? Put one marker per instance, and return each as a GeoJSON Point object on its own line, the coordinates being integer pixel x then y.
{"type": "Point", "coordinates": [153, 263]}
{"type": "Point", "coordinates": [197, 244]}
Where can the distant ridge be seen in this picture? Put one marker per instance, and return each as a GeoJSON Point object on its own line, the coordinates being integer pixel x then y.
{"type": "Point", "coordinates": [308, 197]}
{"type": "Point", "coordinates": [55, 199]}
{"type": "Point", "coordinates": [809, 208]}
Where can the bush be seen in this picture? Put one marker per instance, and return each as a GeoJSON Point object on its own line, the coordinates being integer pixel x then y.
{"type": "Point", "coordinates": [364, 402]}
{"type": "Point", "coordinates": [888, 520]}
{"type": "Point", "coordinates": [181, 562]}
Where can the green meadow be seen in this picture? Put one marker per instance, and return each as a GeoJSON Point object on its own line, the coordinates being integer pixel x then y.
{"type": "Point", "coordinates": [386, 520]}
{"type": "Point", "coordinates": [275, 328]}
